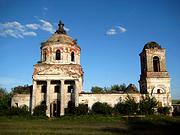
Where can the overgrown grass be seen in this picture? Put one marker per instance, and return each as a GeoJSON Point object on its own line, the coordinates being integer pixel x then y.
{"type": "Point", "coordinates": [88, 125]}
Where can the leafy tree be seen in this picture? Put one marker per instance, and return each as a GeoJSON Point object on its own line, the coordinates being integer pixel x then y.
{"type": "Point", "coordinates": [4, 99]}
{"type": "Point", "coordinates": [113, 88]}
{"type": "Point", "coordinates": [2, 92]}
{"type": "Point", "coordinates": [107, 89]}
{"type": "Point", "coordinates": [101, 108]}
{"type": "Point", "coordinates": [117, 87]}
{"type": "Point", "coordinates": [97, 90]}
{"type": "Point", "coordinates": [147, 104]}
{"type": "Point", "coordinates": [40, 110]}
{"type": "Point", "coordinates": [123, 87]}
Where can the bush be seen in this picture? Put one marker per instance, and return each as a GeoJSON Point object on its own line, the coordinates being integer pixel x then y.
{"type": "Point", "coordinates": [147, 104]}
{"type": "Point", "coordinates": [82, 109]}
{"type": "Point", "coordinates": [20, 111]}
{"type": "Point", "coordinates": [164, 110]}
{"type": "Point", "coordinates": [129, 106]}
{"type": "Point", "coordinates": [40, 110]}
{"type": "Point", "coordinates": [119, 108]}
{"type": "Point", "coordinates": [101, 108]}
{"type": "Point", "coordinates": [71, 108]}
{"type": "Point", "coordinates": [176, 112]}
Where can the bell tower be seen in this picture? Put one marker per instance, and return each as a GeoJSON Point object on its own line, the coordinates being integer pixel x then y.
{"type": "Point", "coordinates": [154, 78]}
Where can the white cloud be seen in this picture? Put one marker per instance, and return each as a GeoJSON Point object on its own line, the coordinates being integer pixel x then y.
{"type": "Point", "coordinates": [12, 33]}
{"type": "Point", "coordinates": [121, 29]}
{"type": "Point", "coordinates": [13, 25]}
{"type": "Point", "coordinates": [32, 26]}
{"type": "Point", "coordinates": [17, 30]}
{"type": "Point", "coordinates": [14, 29]}
{"type": "Point", "coordinates": [47, 26]}
{"type": "Point", "coordinates": [116, 30]}
{"type": "Point", "coordinates": [44, 25]}
{"type": "Point", "coordinates": [30, 33]}
{"type": "Point", "coordinates": [111, 31]}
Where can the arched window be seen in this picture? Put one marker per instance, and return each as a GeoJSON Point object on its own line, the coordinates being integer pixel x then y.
{"type": "Point", "coordinates": [44, 55]}
{"type": "Point", "coordinates": [156, 64]}
{"type": "Point", "coordinates": [72, 56]}
{"type": "Point", "coordinates": [158, 91]}
{"type": "Point", "coordinates": [58, 55]}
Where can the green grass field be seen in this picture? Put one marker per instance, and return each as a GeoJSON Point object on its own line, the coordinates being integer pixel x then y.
{"type": "Point", "coordinates": [88, 125]}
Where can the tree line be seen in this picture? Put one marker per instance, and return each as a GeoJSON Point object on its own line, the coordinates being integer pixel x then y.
{"type": "Point", "coordinates": [146, 106]}
{"type": "Point", "coordinates": [116, 88]}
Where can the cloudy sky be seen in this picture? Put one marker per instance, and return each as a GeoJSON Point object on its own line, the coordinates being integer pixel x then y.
{"type": "Point", "coordinates": [111, 34]}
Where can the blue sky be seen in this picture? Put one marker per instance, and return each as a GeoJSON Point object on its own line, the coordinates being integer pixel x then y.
{"type": "Point", "coordinates": [111, 34]}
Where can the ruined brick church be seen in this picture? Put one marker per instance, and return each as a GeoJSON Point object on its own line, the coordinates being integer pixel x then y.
{"type": "Point", "coordinates": [58, 77]}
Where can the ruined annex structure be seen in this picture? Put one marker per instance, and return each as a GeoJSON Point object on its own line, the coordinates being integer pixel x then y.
{"type": "Point", "coordinates": [58, 77]}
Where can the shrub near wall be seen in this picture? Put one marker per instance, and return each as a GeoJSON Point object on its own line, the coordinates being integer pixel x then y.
{"type": "Point", "coordinates": [40, 110]}
{"type": "Point", "coordinates": [18, 111]}
{"type": "Point", "coordinates": [82, 109]}
{"type": "Point", "coordinates": [101, 108]}
{"type": "Point", "coordinates": [147, 104]}
{"type": "Point", "coordinates": [129, 106]}
{"type": "Point", "coordinates": [164, 110]}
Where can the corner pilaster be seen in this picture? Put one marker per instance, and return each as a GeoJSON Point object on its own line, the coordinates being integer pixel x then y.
{"type": "Point", "coordinates": [62, 99]}
{"type": "Point", "coordinates": [47, 98]}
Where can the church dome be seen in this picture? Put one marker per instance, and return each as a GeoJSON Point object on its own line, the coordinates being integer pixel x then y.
{"type": "Point", "coordinates": [152, 45]}
{"type": "Point", "coordinates": [60, 38]}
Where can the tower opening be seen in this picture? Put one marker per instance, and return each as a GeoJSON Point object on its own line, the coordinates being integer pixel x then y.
{"type": "Point", "coordinates": [58, 55]}
{"type": "Point", "coordinates": [156, 64]}
{"type": "Point", "coordinates": [72, 56]}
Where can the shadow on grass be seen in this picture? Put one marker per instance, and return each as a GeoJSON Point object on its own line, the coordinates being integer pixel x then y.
{"type": "Point", "coordinates": [146, 127]}
{"type": "Point", "coordinates": [115, 130]}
